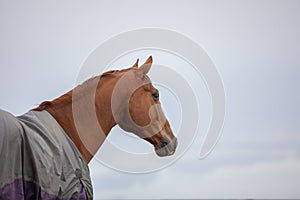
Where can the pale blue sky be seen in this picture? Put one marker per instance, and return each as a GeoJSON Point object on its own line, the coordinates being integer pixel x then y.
{"type": "Point", "coordinates": [254, 44]}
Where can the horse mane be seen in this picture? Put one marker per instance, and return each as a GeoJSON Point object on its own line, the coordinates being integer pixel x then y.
{"type": "Point", "coordinates": [112, 73]}
{"type": "Point", "coordinates": [67, 97]}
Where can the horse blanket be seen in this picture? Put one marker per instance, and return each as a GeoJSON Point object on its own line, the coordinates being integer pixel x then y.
{"type": "Point", "coordinates": [39, 161]}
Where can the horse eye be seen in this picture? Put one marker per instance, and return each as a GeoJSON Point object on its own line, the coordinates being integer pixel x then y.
{"type": "Point", "coordinates": [155, 96]}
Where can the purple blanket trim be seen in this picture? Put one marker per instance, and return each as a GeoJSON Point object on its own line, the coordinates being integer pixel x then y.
{"type": "Point", "coordinates": [21, 189]}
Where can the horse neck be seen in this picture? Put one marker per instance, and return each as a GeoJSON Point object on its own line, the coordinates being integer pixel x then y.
{"type": "Point", "coordinates": [85, 114]}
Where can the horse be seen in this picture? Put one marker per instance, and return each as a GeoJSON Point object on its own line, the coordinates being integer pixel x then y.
{"type": "Point", "coordinates": [45, 152]}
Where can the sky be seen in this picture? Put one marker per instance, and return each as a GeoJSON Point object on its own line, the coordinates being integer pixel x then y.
{"type": "Point", "coordinates": [255, 47]}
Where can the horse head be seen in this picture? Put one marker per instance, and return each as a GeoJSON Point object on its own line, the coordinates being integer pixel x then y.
{"type": "Point", "coordinates": [136, 108]}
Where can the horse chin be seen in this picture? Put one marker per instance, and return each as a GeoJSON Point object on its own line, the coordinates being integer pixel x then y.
{"type": "Point", "coordinates": [163, 152]}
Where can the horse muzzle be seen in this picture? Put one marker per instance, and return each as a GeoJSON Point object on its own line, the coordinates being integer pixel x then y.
{"type": "Point", "coordinates": [166, 147]}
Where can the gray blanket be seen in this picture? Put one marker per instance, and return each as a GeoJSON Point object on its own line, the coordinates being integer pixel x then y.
{"type": "Point", "coordinates": [39, 161]}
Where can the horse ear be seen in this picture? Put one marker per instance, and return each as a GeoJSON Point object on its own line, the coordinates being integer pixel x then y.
{"type": "Point", "coordinates": [146, 66]}
{"type": "Point", "coordinates": [136, 64]}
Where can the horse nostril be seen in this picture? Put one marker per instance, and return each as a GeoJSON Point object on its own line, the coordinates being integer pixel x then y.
{"type": "Point", "coordinates": [164, 142]}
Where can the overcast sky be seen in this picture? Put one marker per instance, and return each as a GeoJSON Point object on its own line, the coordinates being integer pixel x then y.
{"type": "Point", "coordinates": [255, 46]}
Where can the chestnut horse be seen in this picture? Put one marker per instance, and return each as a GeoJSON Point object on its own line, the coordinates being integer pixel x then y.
{"type": "Point", "coordinates": [140, 103]}
{"type": "Point", "coordinates": [78, 122]}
